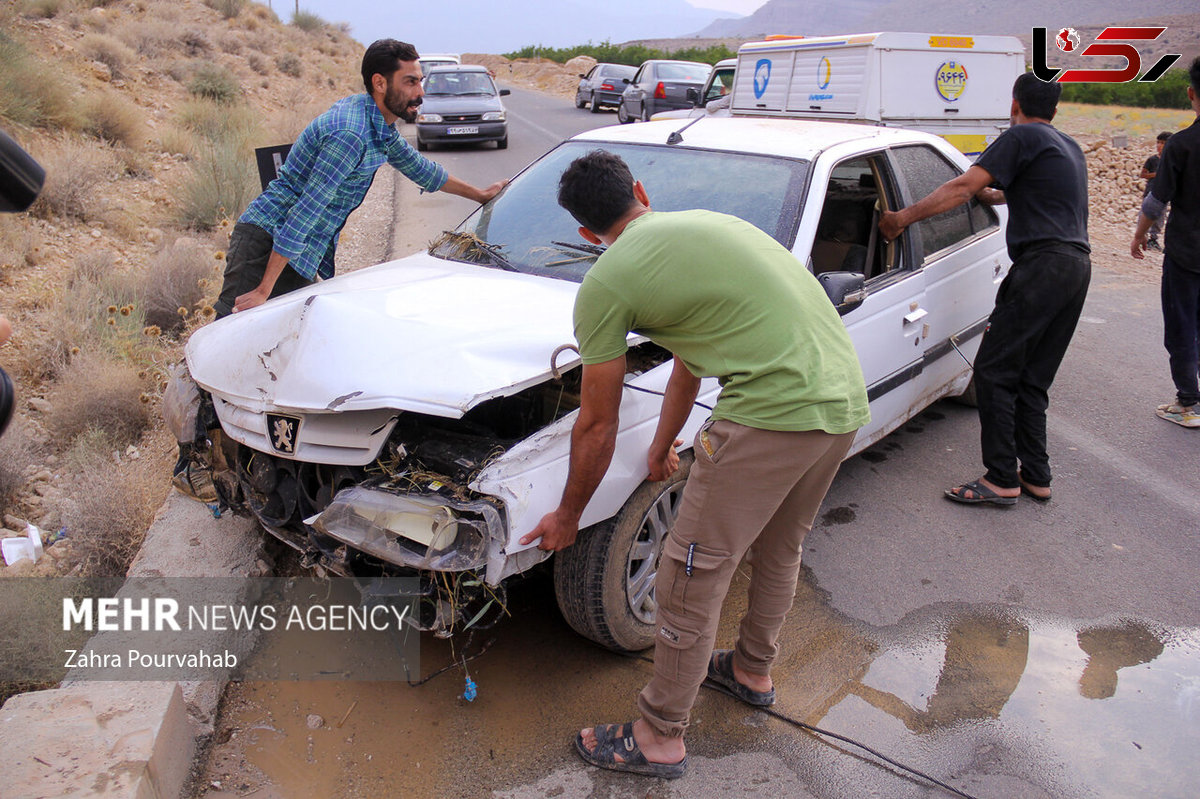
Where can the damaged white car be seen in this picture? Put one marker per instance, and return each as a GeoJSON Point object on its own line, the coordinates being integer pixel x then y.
{"type": "Point", "coordinates": [413, 418]}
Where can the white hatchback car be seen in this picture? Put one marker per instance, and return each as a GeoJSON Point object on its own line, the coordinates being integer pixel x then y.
{"type": "Point", "coordinates": [413, 418]}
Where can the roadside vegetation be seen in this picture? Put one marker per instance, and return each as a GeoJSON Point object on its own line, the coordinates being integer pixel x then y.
{"type": "Point", "coordinates": [633, 55]}
{"type": "Point", "coordinates": [145, 115]}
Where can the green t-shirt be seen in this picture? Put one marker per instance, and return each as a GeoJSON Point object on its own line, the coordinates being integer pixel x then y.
{"type": "Point", "coordinates": [731, 303]}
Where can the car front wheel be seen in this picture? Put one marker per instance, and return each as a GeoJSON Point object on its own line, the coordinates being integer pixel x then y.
{"type": "Point", "coordinates": [579, 101]}
{"type": "Point", "coordinates": [604, 582]}
{"type": "Point", "coordinates": [502, 144]}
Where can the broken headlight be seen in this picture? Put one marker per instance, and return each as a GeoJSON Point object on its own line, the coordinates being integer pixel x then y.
{"type": "Point", "coordinates": [421, 531]}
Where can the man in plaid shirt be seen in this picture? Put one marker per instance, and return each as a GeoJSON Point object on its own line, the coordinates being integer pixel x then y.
{"type": "Point", "coordinates": [295, 223]}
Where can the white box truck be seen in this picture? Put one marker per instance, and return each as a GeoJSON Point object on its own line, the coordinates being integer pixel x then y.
{"type": "Point", "coordinates": [957, 87]}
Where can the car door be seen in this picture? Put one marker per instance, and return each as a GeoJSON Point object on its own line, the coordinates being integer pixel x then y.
{"type": "Point", "coordinates": [889, 328]}
{"type": "Point", "coordinates": [963, 257]}
{"type": "Point", "coordinates": [635, 92]}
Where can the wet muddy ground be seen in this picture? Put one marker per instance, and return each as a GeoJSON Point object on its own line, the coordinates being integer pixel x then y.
{"type": "Point", "coordinates": [993, 701]}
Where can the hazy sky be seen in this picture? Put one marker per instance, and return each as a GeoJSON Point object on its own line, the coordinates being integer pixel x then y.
{"type": "Point", "coordinates": [744, 7]}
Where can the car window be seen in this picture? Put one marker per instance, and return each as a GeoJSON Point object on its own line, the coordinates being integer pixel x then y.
{"type": "Point", "coordinates": [848, 237]}
{"type": "Point", "coordinates": [693, 72]}
{"type": "Point", "coordinates": [531, 233]}
{"type": "Point", "coordinates": [722, 84]}
{"type": "Point", "coordinates": [924, 170]}
{"type": "Point", "coordinates": [637, 78]}
{"type": "Point", "coordinates": [459, 83]}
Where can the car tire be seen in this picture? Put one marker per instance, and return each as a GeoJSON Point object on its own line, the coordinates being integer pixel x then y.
{"type": "Point", "coordinates": [645, 113]}
{"type": "Point", "coordinates": [604, 581]}
{"type": "Point", "coordinates": [595, 104]}
{"type": "Point", "coordinates": [502, 144]}
{"type": "Point", "coordinates": [968, 397]}
{"type": "Point", "coordinates": [422, 146]}
{"type": "Point", "coordinates": [623, 115]}
{"type": "Point", "coordinates": [579, 101]}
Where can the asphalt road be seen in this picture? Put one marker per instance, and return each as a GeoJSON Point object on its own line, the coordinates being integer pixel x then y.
{"type": "Point", "coordinates": [1039, 651]}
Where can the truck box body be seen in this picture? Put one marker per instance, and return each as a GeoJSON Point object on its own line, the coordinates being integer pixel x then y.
{"type": "Point", "coordinates": [957, 87]}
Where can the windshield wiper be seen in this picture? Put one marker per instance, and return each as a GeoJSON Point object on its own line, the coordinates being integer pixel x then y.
{"type": "Point", "coordinates": [469, 249]}
{"type": "Point", "coordinates": [594, 249]}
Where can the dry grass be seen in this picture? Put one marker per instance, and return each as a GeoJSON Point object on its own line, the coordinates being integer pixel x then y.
{"type": "Point", "coordinates": [75, 171]}
{"type": "Point", "coordinates": [108, 50]}
{"type": "Point", "coordinates": [95, 393]}
{"type": "Point", "coordinates": [1106, 120]}
{"type": "Point", "coordinates": [27, 97]}
{"type": "Point", "coordinates": [108, 116]}
{"type": "Point", "coordinates": [173, 285]}
{"type": "Point", "coordinates": [17, 454]}
{"type": "Point", "coordinates": [149, 37]}
{"type": "Point", "coordinates": [112, 504]}
{"type": "Point", "coordinates": [290, 64]}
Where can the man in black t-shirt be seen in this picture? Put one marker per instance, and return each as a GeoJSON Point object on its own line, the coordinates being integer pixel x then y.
{"type": "Point", "coordinates": [1043, 178]}
{"type": "Point", "coordinates": [1149, 169]}
{"type": "Point", "coordinates": [1178, 183]}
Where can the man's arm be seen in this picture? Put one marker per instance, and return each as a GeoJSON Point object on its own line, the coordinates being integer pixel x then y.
{"type": "Point", "coordinates": [950, 194]}
{"type": "Point", "coordinates": [1152, 209]}
{"type": "Point", "coordinates": [593, 439]}
{"type": "Point", "coordinates": [678, 400]}
{"type": "Point", "coordinates": [463, 189]}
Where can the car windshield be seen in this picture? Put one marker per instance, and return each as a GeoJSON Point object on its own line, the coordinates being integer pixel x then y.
{"type": "Point", "coordinates": [525, 230]}
{"type": "Point", "coordinates": [458, 83]}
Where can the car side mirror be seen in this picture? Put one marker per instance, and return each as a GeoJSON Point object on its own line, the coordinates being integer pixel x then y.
{"type": "Point", "coordinates": [583, 76]}
{"type": "Point", "coordinates": [505, 92]}
{"type": "Point", "coordinates": [626, 80]}
{"type": "Point", "coordinates": [693, 96]}
{"type": "Point", "coordinates": [845, 289]}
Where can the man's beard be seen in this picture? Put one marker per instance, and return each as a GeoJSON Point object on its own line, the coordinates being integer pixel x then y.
{"type": "Point", "coordinates": [406, 110]}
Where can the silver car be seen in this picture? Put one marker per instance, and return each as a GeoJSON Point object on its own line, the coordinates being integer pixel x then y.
{"type": "Point", "coordinates": [660, 86]}
{"type": "Point", "coordinates": [602, 86]}
{"type": "Point", "coordinates": [461, 106]}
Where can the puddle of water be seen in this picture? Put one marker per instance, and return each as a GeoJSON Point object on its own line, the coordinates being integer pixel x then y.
{"type": "Point", "coordinates": [998, 702]}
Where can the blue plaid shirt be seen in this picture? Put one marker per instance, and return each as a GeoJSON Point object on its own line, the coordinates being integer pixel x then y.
{"type": "Point", "coordinates": [327, 175]}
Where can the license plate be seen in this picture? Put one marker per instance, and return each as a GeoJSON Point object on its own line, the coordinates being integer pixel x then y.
{"type": "Point", "coordinates": [462, 129]}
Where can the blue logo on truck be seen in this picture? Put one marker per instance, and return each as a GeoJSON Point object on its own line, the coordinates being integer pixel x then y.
{"type": "Point", "coordinates": [762, 76]}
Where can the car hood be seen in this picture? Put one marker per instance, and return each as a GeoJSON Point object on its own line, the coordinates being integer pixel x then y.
{"type": "Point", "coordinates": [419, 334]}
{"type": "Point", "coordinates": [460, 104]}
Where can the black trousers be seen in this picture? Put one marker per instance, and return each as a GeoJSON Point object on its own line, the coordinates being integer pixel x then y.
{"type": "Point", "coordinates": [1181, 328]}
{"type": "Point", "coordinates": [245, 264]}
{"type": "Point", "coordinates": [1037, 308]}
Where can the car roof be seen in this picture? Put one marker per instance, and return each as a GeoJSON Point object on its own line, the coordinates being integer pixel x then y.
{"type": "Point", "coordinates": [675, 61]}
{"type": "Point", "coordinates": [792, 138]}
{"type": "Point", "coordinates": [457, 68]}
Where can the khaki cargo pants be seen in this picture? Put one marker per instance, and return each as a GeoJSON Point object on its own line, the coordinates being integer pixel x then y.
{"type": "Point", "coordinates": [750, 491]}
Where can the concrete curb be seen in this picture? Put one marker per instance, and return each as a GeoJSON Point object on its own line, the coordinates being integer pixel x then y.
{"type": "Point", "coordinates": [131, 739]}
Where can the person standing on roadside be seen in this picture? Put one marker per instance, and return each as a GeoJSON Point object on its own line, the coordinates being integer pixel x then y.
{"type": "Point", "coordinates": [1147, 174]}
{"type": "Point", "coordinates": [727, 301]}
{"type": "Point", "coordinates": [1043, 175]}
{"type": "Point", "coordinates": [1178, 183]}
{"type": "Point", "coordinates": [288, 235]}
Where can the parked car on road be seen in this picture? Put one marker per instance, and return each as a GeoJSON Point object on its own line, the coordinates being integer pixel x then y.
{"type": "Point", "coordinates": [602, 86]}
{"type": "Point", "coordinates": [462, 105]}
{"type": "Point", "coordinates": [660, 86]}
{"type": "Point", "coordinates": [431, 60]}
{"type": "Point", "coordinates": [715, 96]}
{"type": "Point", "coordinates": [414, 418]}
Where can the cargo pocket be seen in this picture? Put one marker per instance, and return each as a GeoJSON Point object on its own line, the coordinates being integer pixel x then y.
{"type": "Point", "coordinates": [691, 595]}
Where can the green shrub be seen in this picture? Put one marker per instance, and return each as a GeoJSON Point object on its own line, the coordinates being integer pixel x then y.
{"type": "Point", "coordinates": [1169, 91]}
{"type": "Point", "coordinates": [111, 52]}
{"type": "Point", "coordinates": [633, 55]}
{"type": "Point", "coordinates": [111, 118]}
{"type": "Point", "coordinates": [215, 83]}
{"type": "Point", "coordinates": [308, 21]}
{"type": "Point", "coordinates": [227, 8]}
{"type": "Point", "coordinates": [173, 283]}
{"type": "Point", "coordinates": [222, 184]}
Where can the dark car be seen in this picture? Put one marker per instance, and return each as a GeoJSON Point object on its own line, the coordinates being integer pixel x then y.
{"type": "Point", "coordinates": [660, 86]}
{"type": "Point", "coordinates": [462, 105]}
{"type": "Point", "coordinates": [603, 85]}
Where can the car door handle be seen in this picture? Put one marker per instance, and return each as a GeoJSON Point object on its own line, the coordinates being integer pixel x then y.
{"type": "Point", "coordinates": [916, 315]}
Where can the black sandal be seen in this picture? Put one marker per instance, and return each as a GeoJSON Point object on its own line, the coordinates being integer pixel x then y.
{"type": "Point", "coordinates": [720, 671]}
{"type": "Point", "coordinates": [613, 740]}
{"type": "Point", "coordinates": [981, 495]}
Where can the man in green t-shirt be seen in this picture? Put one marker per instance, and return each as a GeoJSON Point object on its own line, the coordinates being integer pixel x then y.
{"type": "Point", "coordinates": [728, 302]}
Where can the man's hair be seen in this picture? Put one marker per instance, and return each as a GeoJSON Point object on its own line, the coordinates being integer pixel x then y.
{"type": "Point", "coordinates": [597, 189]}
{"type": "Point", "coordinates": [383, 57]}
{"type": "Point", "coordinates": [1194, 74]}
{"type": "Point", "coordinates": [1164, 136]}
{"type": "Point", "coordinates": [1035, 97]}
